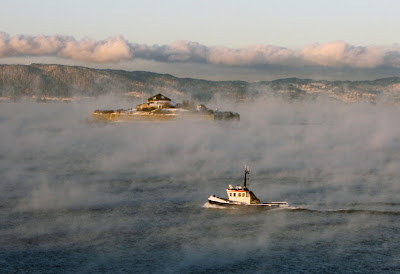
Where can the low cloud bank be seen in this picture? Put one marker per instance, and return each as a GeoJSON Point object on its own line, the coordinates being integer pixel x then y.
{"type": "Point", "coordinates": [117, 49]}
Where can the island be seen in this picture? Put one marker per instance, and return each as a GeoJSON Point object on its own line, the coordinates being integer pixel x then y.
{"type": "Point", "coordinates": [161, 108]}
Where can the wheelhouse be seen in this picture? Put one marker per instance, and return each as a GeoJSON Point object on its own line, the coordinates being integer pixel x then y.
{"type": "Point", "coordinates": [242, 194]}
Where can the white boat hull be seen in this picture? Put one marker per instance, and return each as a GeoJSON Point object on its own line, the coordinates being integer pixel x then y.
{"type": "Point", "coordinates": [227, 203]}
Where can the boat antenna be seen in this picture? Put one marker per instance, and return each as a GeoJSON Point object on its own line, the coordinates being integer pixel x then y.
{"type": "Point", "coordinates": [246, 171]}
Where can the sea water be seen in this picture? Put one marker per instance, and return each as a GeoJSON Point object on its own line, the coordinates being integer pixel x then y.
{"type": "Point", "coordinates": [131, 197]}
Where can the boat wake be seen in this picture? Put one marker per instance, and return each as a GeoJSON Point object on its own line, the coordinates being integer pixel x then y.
{"type": "Point", "coordinates": [305, 209]}
{"type": "Point", "coordinates": [215, 206]}
{"type": "Point", "coordinates": [345, 211]}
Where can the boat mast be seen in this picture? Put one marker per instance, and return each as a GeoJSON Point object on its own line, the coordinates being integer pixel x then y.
{"type": "Point", "coordinates": [246, 171]}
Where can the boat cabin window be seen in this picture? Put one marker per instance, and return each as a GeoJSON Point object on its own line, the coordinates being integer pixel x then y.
{"type": "Point", "coordinates": [247, 194]}
{"type": "Point", "coordinates": [230, 194]}
{"type": "Point", "coordinates": [234, 194]}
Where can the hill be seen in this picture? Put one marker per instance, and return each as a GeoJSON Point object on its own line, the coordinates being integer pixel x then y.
{"type": "Point", "coordinates": [61, 81]}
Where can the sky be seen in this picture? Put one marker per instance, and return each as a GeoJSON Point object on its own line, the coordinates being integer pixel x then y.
{"type": "Point", "coordinates": [218, 40]}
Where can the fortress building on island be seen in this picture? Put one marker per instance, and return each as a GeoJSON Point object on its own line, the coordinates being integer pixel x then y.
{"type": "Point", "coordinates": [159, 107]}
{"type": "Point", "coordinates": [158, 101]}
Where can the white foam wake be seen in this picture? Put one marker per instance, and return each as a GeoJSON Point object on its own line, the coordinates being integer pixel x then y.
{"type": "Point", "coordinates": [208, 205]}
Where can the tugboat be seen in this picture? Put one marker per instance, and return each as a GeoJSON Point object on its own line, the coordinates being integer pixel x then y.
{"type": "Point", "coordinates": [241, 196]}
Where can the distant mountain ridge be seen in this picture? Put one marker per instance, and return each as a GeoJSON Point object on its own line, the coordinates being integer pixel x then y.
{"type": "Point", "coordinates": [42, 80]}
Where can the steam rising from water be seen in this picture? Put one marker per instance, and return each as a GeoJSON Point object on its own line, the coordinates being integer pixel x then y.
{"type": "Point", "coordinates": [129, 196]}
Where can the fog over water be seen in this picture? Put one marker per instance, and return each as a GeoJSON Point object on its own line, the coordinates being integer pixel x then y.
{"type": "Point", "coordinates": [128, 197]}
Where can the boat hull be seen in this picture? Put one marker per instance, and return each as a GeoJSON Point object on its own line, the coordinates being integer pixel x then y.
{"type": "Point", "coordinates": [226, 203]}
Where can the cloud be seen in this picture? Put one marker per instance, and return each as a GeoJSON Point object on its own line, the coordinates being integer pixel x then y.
{"type": "Point", "coordinates": [114, 49]}
{"type": "Point", "coordinates": [335, 54]}
{"type": "Point", "coordinates": [255, 55]}
{"type": "Point", "coordinates": [392, 57]}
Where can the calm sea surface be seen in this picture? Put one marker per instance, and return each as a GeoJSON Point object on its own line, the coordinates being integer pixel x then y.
{"type": "Point", "coordinates": [85, 197]}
